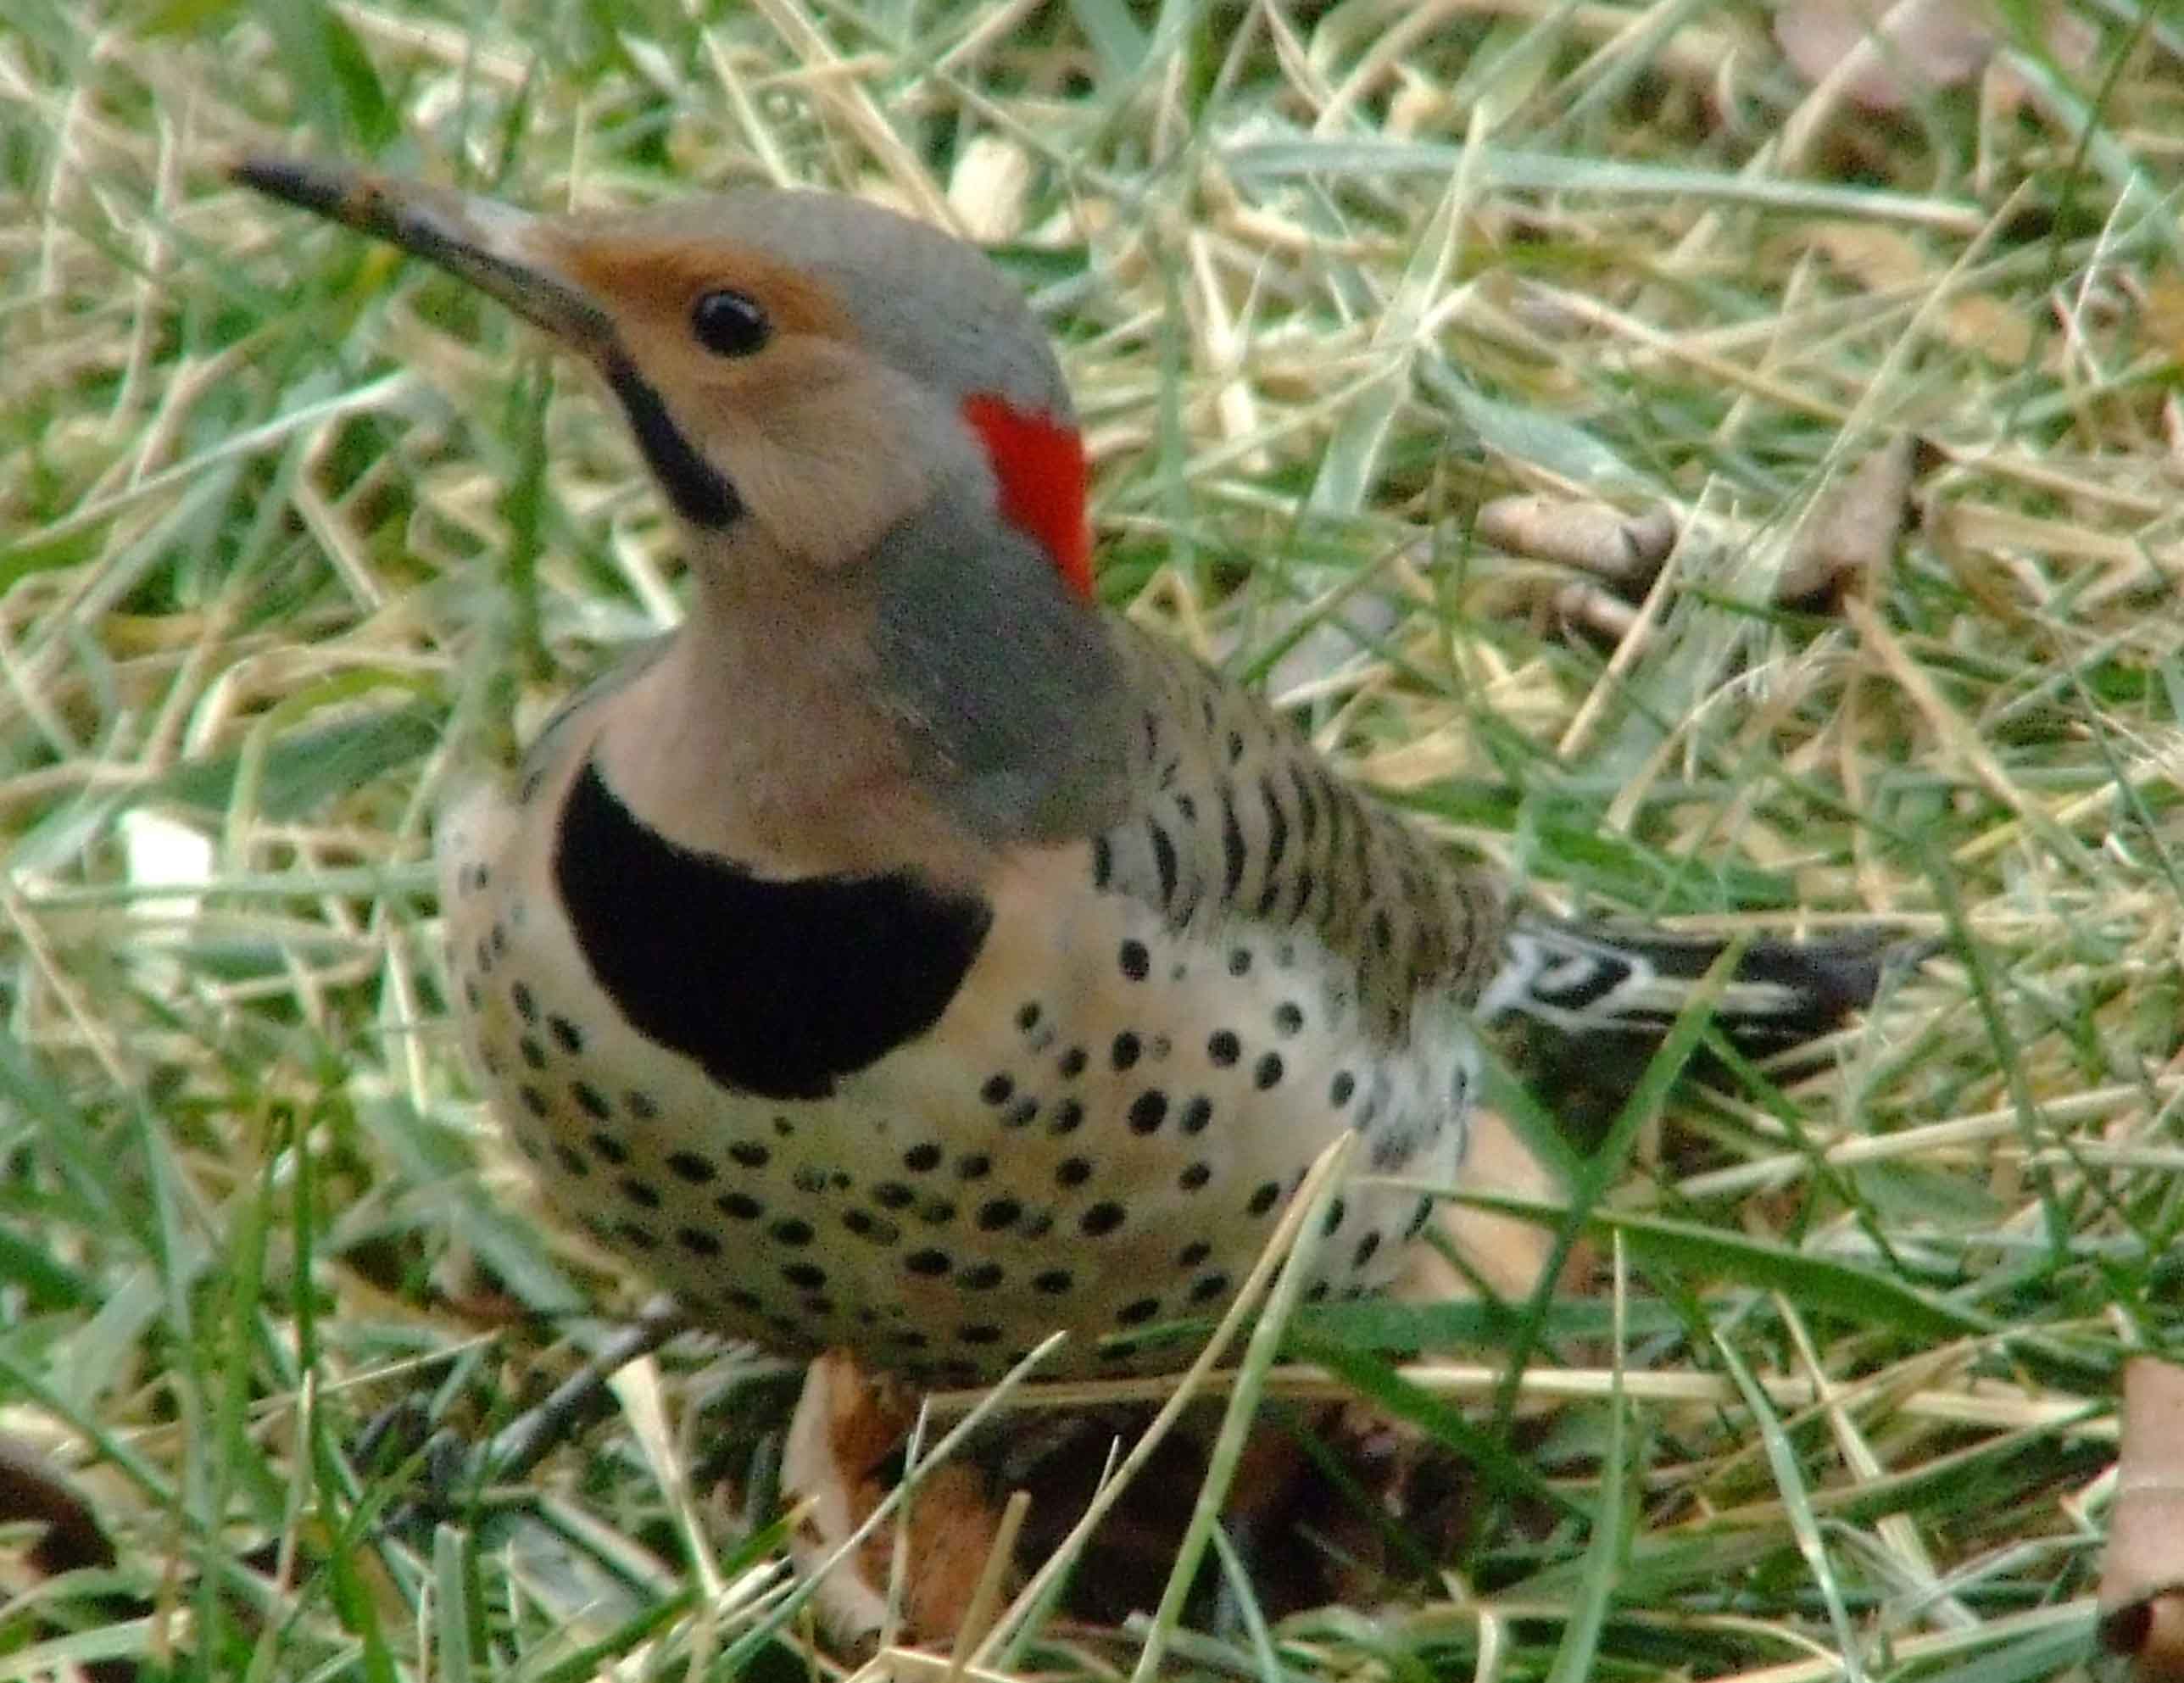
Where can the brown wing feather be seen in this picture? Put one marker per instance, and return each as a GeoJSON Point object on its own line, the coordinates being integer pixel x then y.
{"type": "Point", "coordinates": [1236, 818]}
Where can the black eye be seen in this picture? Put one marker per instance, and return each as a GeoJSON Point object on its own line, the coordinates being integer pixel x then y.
{"type": "Point", "coordinates": [730, 324]}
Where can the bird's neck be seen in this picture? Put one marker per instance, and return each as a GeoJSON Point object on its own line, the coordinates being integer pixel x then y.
{"type": "Point", "coordinates": [759, 734]}
{"type": "Point", "coordinates": [941, 698]}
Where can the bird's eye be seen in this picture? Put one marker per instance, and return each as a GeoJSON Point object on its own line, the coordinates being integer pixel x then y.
{"type": "Point", "coordinates": [730, 323]}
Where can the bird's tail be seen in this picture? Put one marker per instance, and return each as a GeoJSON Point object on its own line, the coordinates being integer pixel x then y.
{"type": "Point", "coordinates": [1591, 978]}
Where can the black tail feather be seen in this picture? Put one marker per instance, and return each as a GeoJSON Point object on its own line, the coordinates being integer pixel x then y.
{"type": "Point", "coordinates": [1595, 978]}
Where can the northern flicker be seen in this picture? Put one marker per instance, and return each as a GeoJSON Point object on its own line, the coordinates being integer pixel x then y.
{"type": "Point", "coordinates": [906, 955]}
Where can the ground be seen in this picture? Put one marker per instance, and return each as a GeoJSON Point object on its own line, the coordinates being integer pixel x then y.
{"type": "Point", "coordinates": [292, 534]}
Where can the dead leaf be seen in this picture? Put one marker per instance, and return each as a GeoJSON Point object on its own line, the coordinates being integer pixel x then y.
{"type": "Point", "coordinates": [1888, 260]}
{"type": "Point", "coordinates": [2161, 314]}
{"type": "Point", "coordinates": [841, 1441]}
{"type": "Point", "coordinates": [1880, 260]}
{"type": "Point", "coordinates": [2142, 1577]}
{"type": "Point", "coordinates": [35, 1492]}
{"type": "Point", "coordinates": [1880, 57]}
{"type": "Point", "coordinates": [1594, 612]}
{"type": "Point", "coordinates": [1625, 549]}
{"type": "Point", "coordinates": [1854, 532]}
{"type": "Point", "coordinates": [1985, 324]}
{"type": "Point", "coordinates": [986, 188]}
{"type": "Point", "coordinates": [2073, 43]}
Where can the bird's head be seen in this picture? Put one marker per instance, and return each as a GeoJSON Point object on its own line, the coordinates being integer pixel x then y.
{"type": "Point", "coordinates": [801, 366]}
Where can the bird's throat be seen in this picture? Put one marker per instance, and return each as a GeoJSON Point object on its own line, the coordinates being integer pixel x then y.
{"type": "Point", "coordinates": [760, 732]}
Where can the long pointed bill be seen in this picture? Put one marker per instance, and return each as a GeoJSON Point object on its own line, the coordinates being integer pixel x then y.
{"type": "Point", "coordinates": [509, 255]}
{"type": "Point", "coordinates": [502, 251]}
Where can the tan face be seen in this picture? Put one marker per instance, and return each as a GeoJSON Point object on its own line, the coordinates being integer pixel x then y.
{"type": "Point", "coordinates": [758, 366]}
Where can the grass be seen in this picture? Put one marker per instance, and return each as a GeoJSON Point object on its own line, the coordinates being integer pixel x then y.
{"type": "Point", "coordinates": [291, 534]}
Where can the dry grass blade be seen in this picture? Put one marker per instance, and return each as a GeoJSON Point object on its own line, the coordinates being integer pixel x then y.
{"type": "Point", "coordinates": [1329, 281]}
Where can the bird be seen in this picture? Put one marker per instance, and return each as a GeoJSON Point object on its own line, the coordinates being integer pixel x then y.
{"type": "Point", "coordinates": [907, 956]}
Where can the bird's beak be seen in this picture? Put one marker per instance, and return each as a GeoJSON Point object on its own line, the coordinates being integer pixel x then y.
{"type": "Point", "coordinates": [506, 253]}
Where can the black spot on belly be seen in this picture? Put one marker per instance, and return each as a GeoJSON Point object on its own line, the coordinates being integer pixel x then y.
{"type": "Point", "coordinates": [777, 987]}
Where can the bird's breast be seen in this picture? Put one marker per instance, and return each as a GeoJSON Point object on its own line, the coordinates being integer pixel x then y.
{"type": "Point", "coordinates": [777, 987]}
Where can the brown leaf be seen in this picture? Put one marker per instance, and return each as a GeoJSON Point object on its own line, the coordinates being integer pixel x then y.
{"type": "Point", "coordinates": [1999, 331]}
{"type": "Point", "coordinates": [2142, 1576]}
{"type": "Point", "coordinates": [2161, 316]}
{"type": "Point", "coordinates": [835, 1464]}
{"type": "Point", "coordinates": [1880, 260]}
{"type": "Point", "coordinates": [1588, 610]}
{"type": "Point", "coordinates": [33, 1491]}
{"type": "Point", "coordinates": [1880, 55]}
{"type": "Point", "coordinates": [1854, 532]}
{"type": "Point", "coordinates": [1888, 260]}
{"type": "Point", "coordinates": [1626, 549]}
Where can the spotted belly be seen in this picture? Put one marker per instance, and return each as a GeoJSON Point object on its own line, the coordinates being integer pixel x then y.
{"type": "Point", "coordinates": [1098, 1134]}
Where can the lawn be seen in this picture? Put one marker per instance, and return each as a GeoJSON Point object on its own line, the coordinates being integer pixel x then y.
{"type": "Point", "coordinates": [295, 536]}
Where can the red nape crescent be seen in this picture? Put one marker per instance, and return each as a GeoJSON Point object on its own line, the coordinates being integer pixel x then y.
{"type": "Point", "coordinates": [1040, 464]}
